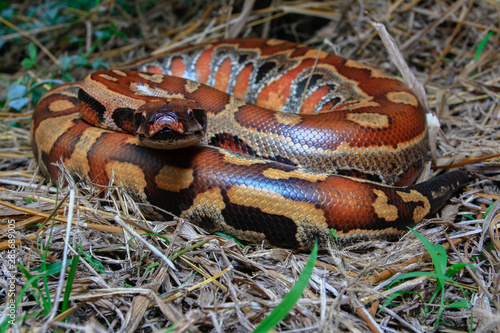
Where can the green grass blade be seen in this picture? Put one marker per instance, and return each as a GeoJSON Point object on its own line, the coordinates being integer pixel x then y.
{"type": "Point", "coordinates": [418, 274]}
{"type": "Point", "coordinates": [69, 282]}
{"type": "Point", "coordinates": [288, 302]}
{"type": "Point", "coordinates": [32, 283]}
{"type": "Point", "coordinates": [334, 235]}
{"type": "Point", "coordinates": [48, 269]}
{"type": "Point", "coordinates": [482, 45]}
{"type": "Point", "coordinates": [457, 305]}
{"type": "Point", "coordinates": [455, 268]}
{"type": "Point", "coordinates": [437, 253]}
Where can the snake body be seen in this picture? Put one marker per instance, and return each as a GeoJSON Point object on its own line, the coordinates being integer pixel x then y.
{"type": "Point", "coordinates": [278, 185]}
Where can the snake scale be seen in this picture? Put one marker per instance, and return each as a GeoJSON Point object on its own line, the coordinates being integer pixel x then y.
{"type": "Point", "coordinates": [279, 177]}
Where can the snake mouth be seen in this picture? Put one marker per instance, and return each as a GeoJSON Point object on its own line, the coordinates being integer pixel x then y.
{"type": "Point", "coordinates": [169, 139]}
{"type": "Point", "coordinates": [170, 124]}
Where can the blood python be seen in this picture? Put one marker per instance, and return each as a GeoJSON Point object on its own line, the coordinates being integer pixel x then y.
{"type": "Point", "coordinates": [354, 121]}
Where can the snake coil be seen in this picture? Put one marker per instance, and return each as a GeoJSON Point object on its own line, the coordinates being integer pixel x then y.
{"type": "Point", "coordinates": [262, 175]}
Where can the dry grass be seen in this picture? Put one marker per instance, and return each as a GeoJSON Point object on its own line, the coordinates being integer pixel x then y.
{"type": "Point", "coordinates": [122, 284]}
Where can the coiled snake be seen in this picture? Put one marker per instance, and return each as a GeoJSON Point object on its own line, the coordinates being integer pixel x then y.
{"type": "Point", "coordinates": [354, 121]}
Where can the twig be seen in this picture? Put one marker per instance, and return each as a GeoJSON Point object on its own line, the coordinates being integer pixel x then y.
{"type": "Point", "coordinates": [411, 81]}
{"type": "Point", "coordinates": [60, 284]}
{"type": "Point", "coordinates": [367, 317]}
{"type": "Point", "coordinates": [242, 19]}
{"type": "Point", "coordinates": [143, 241]}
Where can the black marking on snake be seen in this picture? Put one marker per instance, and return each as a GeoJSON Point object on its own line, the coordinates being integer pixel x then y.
{"type": "Point", "coordinates": [281, 159]}
{"type": "Point", "coordinates": [68, 140]}
{"type": "Point", "coordinates": [276, 228]}
{"type": "Point", "coordinates": [264, 70]}
{"type": "Point", "coordinates": [92, 103]}
{"type": "Point", "coordinates": [203, 221]}
{"type": "Point", "coordinates": [45, 159]}
{"type": "Point", "coordinates": [306, 82]}
{"type": "Point", "coordinates": [242, 58]}
{"type": "Point", "coordinates": [231, 142]}
{"type": "Point", "coordinates": [122, 115]}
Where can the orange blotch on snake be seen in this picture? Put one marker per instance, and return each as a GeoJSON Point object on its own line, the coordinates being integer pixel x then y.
{"type": "Point", "coordinates": [61, 105]}
{"type": "Point", "coordinates": [383, 209]}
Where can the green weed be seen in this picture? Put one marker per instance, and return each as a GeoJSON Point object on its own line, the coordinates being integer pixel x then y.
{"type": "Point", "coordinates": [442, 274]}
{"type": "Point", "coordinates": [288, 302]}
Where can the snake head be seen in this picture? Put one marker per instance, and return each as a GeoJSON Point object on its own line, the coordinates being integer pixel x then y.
{"type": "Point", "coordinates": [170, 123]}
